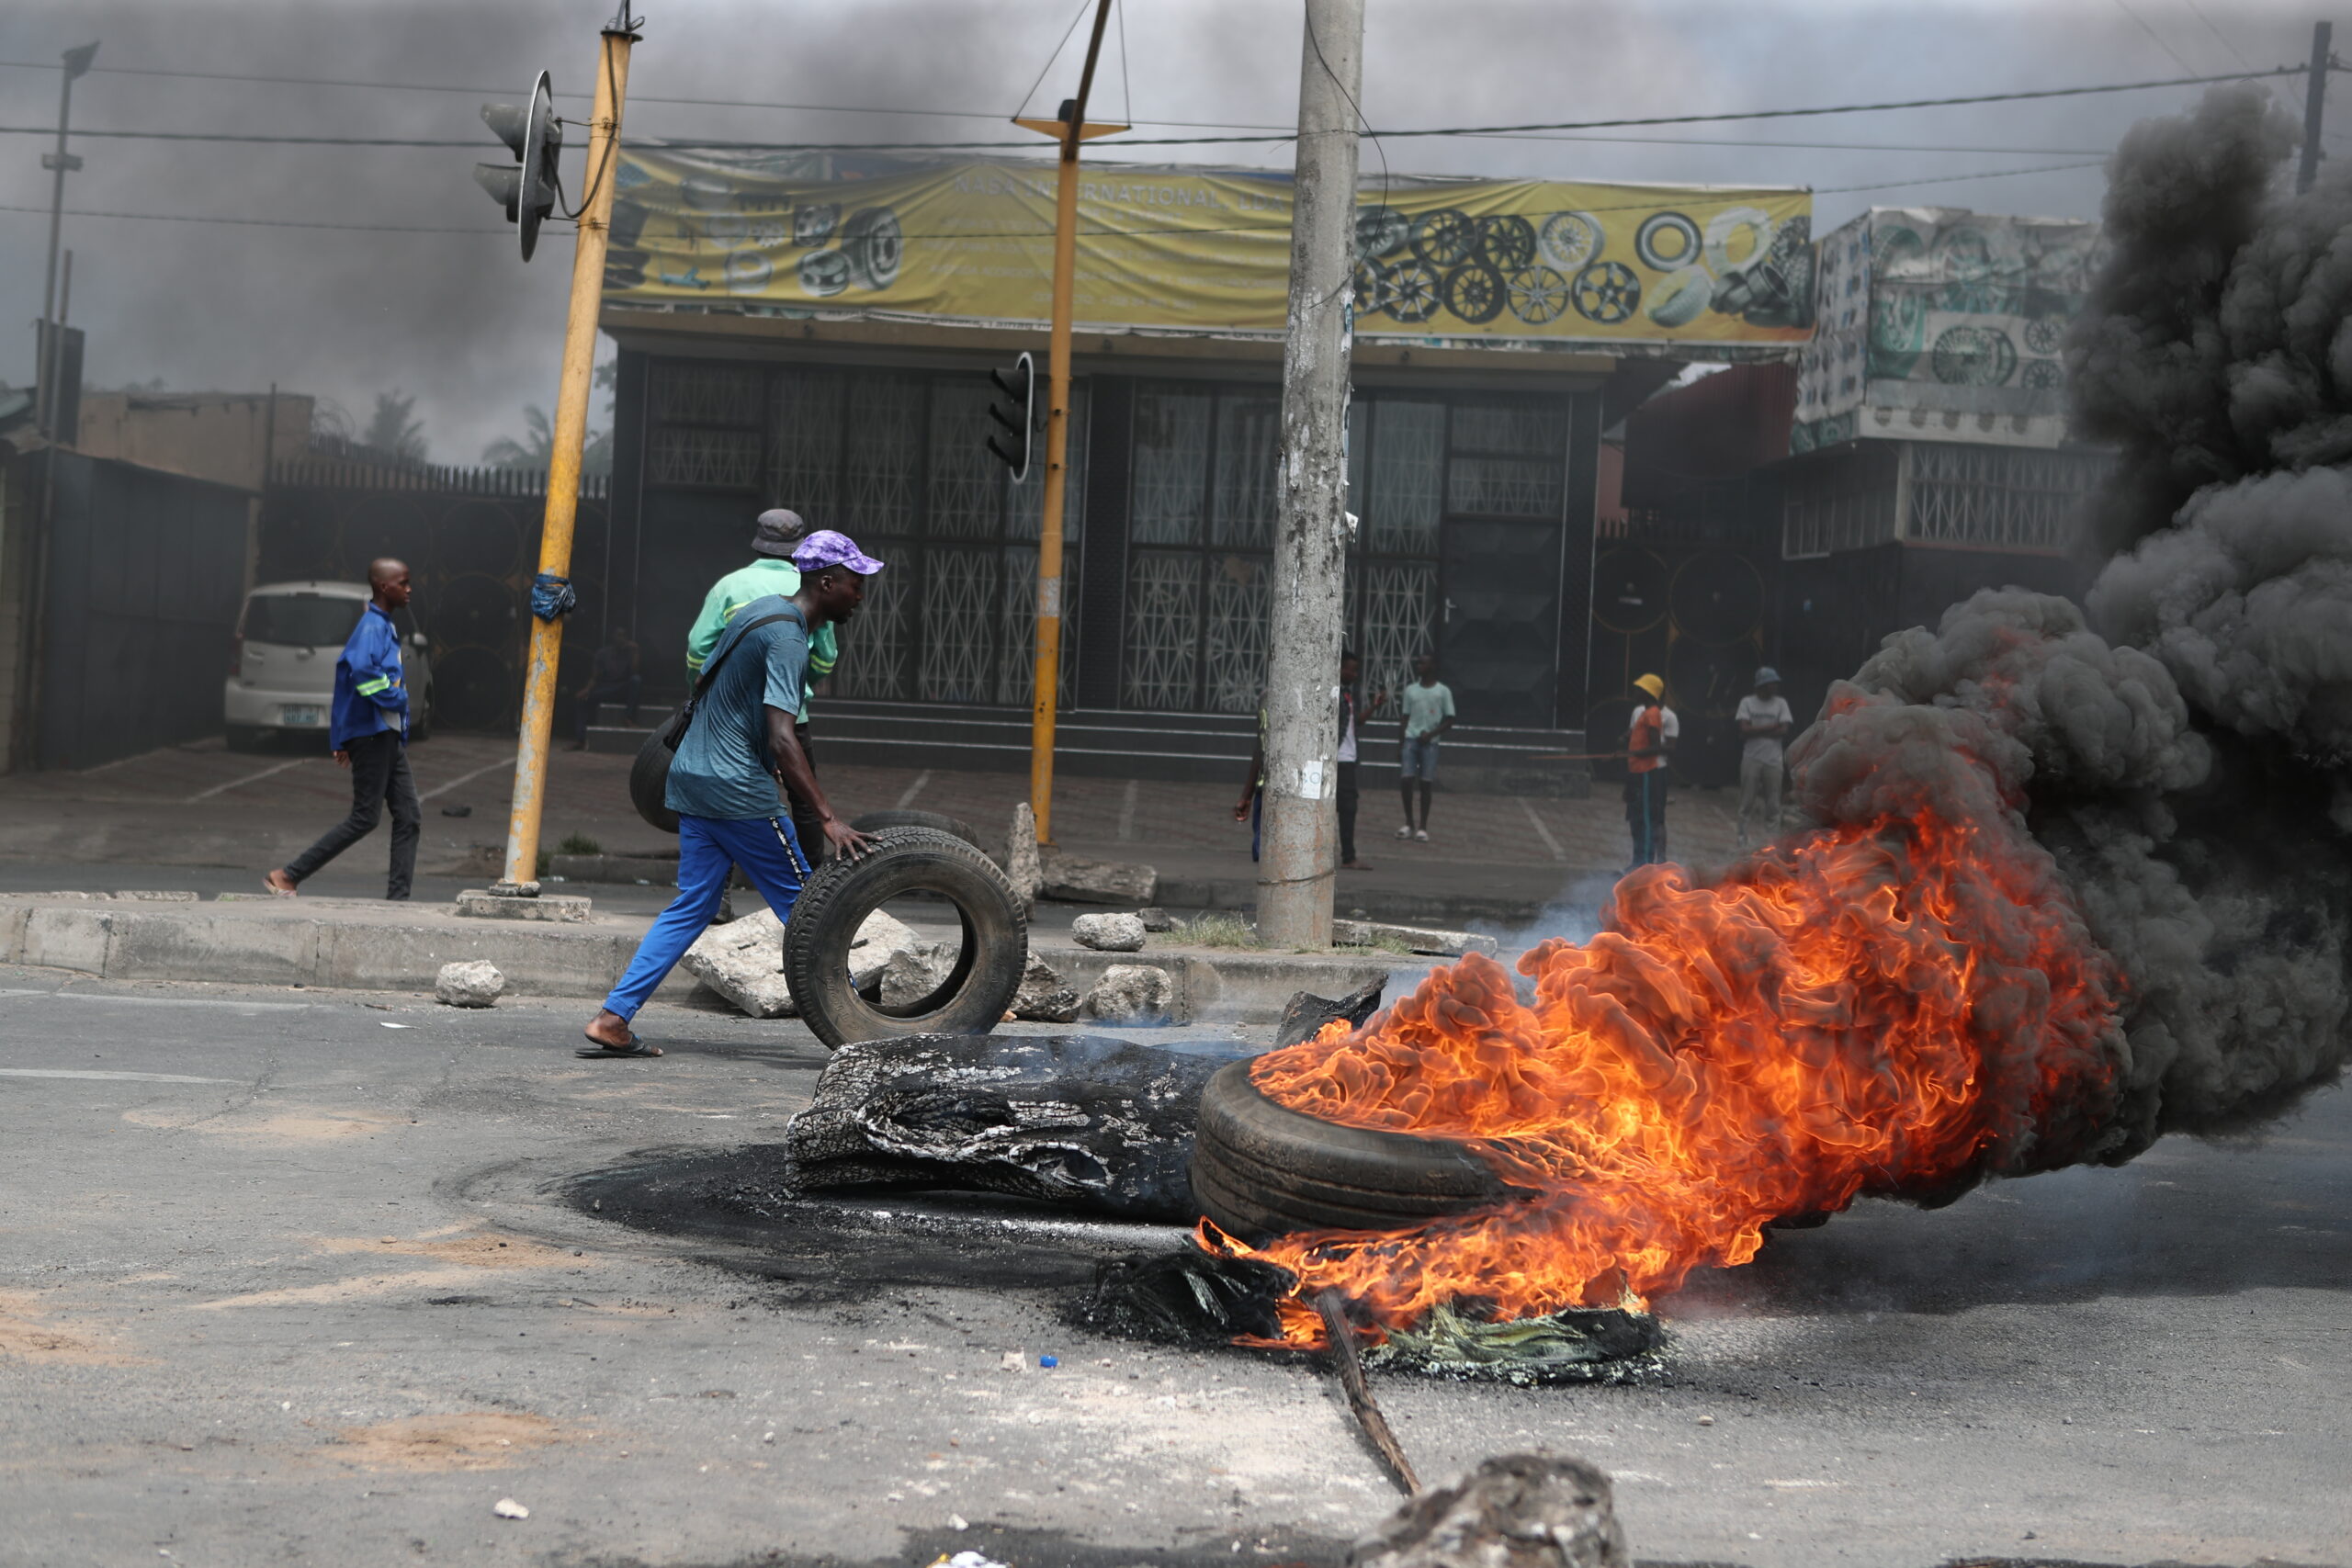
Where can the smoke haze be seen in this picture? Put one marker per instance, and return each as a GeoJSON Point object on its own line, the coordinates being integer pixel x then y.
{"type": "Point", "coordinates": [456, 319]}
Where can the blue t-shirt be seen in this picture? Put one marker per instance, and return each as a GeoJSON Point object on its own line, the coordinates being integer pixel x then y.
{"type": "Point", "coordinates": [721, 768]}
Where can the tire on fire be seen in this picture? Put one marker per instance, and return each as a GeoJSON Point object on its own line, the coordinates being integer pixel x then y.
{"type": "Point", "coordinates": [1260, 1169]}
{"type": "Point", "coordinates": [977, 987]}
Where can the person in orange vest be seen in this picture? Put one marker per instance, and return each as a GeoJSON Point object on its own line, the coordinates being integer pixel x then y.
{"type": "Point", "coordinates": [1649, 740]}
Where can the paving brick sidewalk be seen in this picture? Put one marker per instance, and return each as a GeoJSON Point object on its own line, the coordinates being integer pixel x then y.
{"type": "Point", "coordinates": [200, 805]}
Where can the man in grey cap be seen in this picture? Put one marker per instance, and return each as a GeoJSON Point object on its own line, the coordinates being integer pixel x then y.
{"type": "Point", "coordinates": [776, 536]}
{"type": "Point", "coordinates": [1764, 722]}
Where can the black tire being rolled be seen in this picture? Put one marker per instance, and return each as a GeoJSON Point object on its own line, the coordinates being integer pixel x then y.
{"type": "Point", "coordinates": [1262, 1170]}
{"type": "Point", "coordinates": [841, 893]}
{"type": "Point", "coordinates": [936, 821]}
{"type": "Point", "coordinates": [649, 778]}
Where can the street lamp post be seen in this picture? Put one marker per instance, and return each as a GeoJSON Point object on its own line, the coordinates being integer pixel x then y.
{"type": "Point", "coordinates": [59, 162]}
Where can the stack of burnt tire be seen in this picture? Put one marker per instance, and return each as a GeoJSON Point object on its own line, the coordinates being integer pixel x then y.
{"type": "Point", "coordinates": [1260, 1169]}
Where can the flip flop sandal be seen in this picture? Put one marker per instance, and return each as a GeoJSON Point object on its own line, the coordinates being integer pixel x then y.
{"type": "Point", "coordinates": [635, 1047]}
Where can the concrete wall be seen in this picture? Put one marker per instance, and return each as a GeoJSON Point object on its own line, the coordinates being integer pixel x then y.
{"type": "Point", "coordinates": [223, 437]}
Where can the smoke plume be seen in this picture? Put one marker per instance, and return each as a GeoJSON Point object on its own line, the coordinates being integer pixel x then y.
{"type": "Point", "coordinates": [2182, 750]}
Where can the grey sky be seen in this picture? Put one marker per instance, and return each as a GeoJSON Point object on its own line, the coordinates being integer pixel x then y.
{"type": "Point", "coordinates": [455, 318]}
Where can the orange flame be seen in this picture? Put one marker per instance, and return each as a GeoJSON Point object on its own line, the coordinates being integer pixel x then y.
{"type": "Point", "coordinates": [1898, 1009]}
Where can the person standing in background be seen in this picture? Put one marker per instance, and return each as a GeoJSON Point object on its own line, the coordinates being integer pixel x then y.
{"type": "Point", "coordinates": [1427, 704]}
{"type": "Point", "coordinates": [1764, 723]}
{"type": "Point", "coordinates": [369, 734]}
{"type": "Point", "coordinates": [1649, 740]}
{"type": "Point", "coordinates": [1251, 807]}
{"type": "Point", "coordinates": [778, 533]}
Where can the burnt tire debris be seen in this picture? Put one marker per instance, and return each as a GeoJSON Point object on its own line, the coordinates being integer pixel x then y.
{"type": "Point", "coordinates": [1262, 1170]}
{"type": "Point", "coordinates": [978, 986]}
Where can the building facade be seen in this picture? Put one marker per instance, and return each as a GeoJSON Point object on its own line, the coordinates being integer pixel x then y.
{"type": "Point", "coordinates": [801, 332]}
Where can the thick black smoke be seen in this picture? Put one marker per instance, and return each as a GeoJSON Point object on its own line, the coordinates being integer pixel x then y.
{"type": "Point", "coordinates": [2184, 749]}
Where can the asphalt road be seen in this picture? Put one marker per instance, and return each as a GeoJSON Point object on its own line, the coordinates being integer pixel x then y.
{"type": "Point", "coordinates": [279, 1283]}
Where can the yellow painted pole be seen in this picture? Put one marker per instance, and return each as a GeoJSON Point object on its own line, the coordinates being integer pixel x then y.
{"type": "Point", "coordinates": [570, 435]}
{"type": "Point", "coordinates": [1072, 130]}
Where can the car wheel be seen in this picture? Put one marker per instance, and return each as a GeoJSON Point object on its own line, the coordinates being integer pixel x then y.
{"type": "Point", "coordinates": [243, 736]}
{"type": "Point", "coordinates": [1260, 1169]}
{"type": "Point", "coordinates": [973, 996]}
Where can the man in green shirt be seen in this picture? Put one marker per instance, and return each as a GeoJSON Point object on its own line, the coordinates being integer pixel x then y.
{"type": "Point", "coordinates": [778, 533]}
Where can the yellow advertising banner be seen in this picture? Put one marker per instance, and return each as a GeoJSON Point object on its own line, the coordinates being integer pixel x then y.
{"type": "Point", "coordinates": [1208, 251]}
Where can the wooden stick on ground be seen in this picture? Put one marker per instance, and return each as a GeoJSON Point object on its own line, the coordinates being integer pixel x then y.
{"type": "Point", "coordinates": [1344, 1357]}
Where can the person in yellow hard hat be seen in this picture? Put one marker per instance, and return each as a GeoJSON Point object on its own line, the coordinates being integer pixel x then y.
{"type": "Point", "coordinates": [1649, 740]}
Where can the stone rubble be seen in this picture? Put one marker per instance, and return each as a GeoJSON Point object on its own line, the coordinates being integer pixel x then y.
{"type": "Point", "coordinates": [474, 984]}
{"type": "Point", "coordinates": [742, 960]}
{"type": "Point", "coordinates": [1044, 997]}
{"type": "Point", "coordinates": [1108, 933]}
{"type": "Point", "coordinates": [1133, 993]}
{"type": "Point", "coordinates": [1074, 879]}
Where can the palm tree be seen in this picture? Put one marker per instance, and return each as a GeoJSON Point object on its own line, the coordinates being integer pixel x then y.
{"type": "Point", "coordinates": [536, 449]}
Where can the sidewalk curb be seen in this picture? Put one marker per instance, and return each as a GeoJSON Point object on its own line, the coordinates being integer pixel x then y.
{"type": "Point", "coordinates": [358, 946]}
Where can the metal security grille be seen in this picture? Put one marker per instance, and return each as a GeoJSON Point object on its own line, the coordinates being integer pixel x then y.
{"type": "Point", "coordinates": [896, 460]}
{"type": "Point", "coordinates": [2003, 498]}
{"type": "Point", "coordinates": [1840, 502]}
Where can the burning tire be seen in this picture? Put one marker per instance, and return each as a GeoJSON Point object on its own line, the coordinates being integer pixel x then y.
{"type": "Point", "coordinates": [1260, 1169]}
{"type": "Point", "coordinates": [978, 986]}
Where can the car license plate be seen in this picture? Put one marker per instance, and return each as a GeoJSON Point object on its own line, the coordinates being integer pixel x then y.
{"type": "Point", "coordinates": [302, 718]}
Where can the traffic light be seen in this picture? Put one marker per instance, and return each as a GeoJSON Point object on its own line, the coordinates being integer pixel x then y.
{"type": "Point", "coordinates": [527, 189]}
{"type": "Point", "coordinates": [1015, 414]}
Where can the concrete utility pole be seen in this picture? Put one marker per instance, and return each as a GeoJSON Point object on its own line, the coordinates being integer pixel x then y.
{"type": "Point", "coordinates": [2314, 105]}
{"type": "Point", "coordinates": [1298, 857]}
{"type": "Point", "coordinates": [1071, 128]}
{"type": "Point", "coordinates": [61, 164]}
{"type": "Point", "coordinates": [570, 435]}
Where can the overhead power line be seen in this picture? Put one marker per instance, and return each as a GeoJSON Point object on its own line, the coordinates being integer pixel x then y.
{"type": "Point", "coordinates": [1272, 134]}
{"type": "Point", "coordinates": [1015, 234]}
{"type": "Point", "coordinates": [476, 143]}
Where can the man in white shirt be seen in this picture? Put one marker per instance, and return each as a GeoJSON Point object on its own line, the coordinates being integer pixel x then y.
{"type": "Point", "coordinates": [1764, 723]}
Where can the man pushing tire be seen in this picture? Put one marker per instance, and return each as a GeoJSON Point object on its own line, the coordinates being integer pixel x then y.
{"type": "Point", "coordinates": [739, 744]}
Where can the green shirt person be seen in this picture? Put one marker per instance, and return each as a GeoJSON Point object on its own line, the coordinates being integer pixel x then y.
{"type": "Point", "coordinates": [778, 531]}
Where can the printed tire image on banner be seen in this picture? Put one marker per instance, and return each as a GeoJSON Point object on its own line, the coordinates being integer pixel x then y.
{"type": "Point", "coordinates": [1379, 231]}
{"type": "Point", "coordinates": [1444, 238]}
{"type": "Point", "coordinates": [872, 242]}
{"type": "Point", "coordinates": [1974, 356]}
{"type": "Point", "coordinates": [1607, 292]}
{"type": "Point", "coordinates": [1474, 292]}
{"type": "Point", "coordinates": [1415, 291]}
{"type": "Point", "coordinates": [1571, 241]}
{"type": "Point", "coordinates": [1537, 295]}
{"type": "Point", "coordinates": [1667, 241]}
{"type": "Point", "coordinates": [1168, 249]}
{"type": "Point", "coordinates": [1505, 241]}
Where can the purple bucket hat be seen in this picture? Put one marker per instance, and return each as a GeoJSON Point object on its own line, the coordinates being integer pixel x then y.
{"type": "Point", "coordinates": [825, 547]}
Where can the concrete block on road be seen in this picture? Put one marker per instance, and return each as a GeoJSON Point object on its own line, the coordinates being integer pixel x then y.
{"type": "Point", "coordinates": [1420, 938]}
{"type": "Point", "coordinates": [481, 904]}
{"type": "Point", "coordinates": [1074, 879]}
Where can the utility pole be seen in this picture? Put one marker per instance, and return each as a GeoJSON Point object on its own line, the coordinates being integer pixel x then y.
{"type": "Point", "coordinates": [61, 162]}
{"type": "Point", "coordinates": [1069, 128]}
{"type": "Point", "coordinates": [1298, 858]}
{"type": "Point", "coordinates": [571, 434]}
{"type": "Point", "coordinates": [2314, 105]}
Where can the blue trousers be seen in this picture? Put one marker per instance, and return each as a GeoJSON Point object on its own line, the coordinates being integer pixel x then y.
{"type": "Point", "coordinates": [708, 846]}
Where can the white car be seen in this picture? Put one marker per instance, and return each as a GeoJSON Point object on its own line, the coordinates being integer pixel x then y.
{"type": "Point", "coordinates": [281, 667]}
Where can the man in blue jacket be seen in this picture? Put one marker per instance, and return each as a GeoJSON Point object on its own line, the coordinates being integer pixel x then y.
{"type": "Point", "coordinates": [370, 737]}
